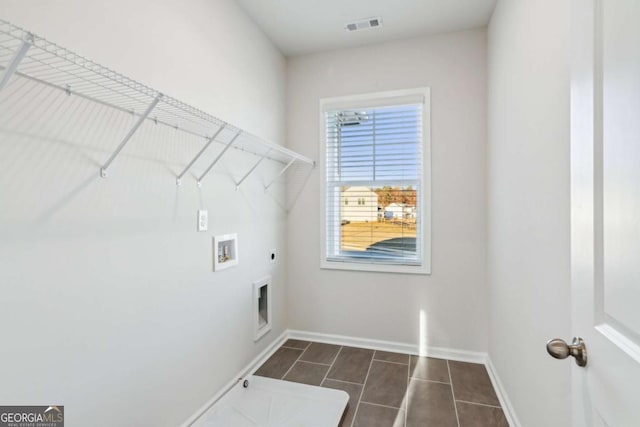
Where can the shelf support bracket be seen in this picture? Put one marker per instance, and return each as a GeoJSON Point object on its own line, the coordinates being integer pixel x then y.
{"type": "Point", "coordinates": [252, 169]}
{"type": "Point", "coordinates": [215, 135]}
{"type": "Point", "coordinates": [141, 119]}
{"type": "Point", "coordinates": [280, 174]}
{"type": "Point", "coordinates": [224, 150]}
{"type": "Point", "coordinates": [12, 66]}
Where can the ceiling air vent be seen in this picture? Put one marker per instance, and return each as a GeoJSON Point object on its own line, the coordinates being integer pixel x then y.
{"type": "Point", "coordinates": [363, 24]}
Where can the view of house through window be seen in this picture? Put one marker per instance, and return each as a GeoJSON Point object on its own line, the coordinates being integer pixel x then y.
{"type": "Point", "coordinates": [374, 184]}
{"type": "Point", "coordinates": [378, 219]}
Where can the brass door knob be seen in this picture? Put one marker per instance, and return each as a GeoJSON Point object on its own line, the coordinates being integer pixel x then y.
{"type": "Point", "coordinates": [561, 350]}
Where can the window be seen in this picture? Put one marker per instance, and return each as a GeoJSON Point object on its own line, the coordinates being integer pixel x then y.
{"type": "Point", "coordinates": [376, 160]}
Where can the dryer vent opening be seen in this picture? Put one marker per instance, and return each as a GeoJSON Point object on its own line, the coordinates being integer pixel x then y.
{"type": "Point", "coordinates": [262, 307]}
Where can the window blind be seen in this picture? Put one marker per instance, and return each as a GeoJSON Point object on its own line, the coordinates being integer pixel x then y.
{"type": "Point", "coordinates": [373, 184]}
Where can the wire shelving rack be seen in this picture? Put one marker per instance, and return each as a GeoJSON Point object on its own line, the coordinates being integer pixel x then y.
{"type": "Point", "coordinates": [26, 55]}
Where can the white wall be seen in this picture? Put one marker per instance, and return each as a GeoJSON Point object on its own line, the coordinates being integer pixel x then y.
{"type": "Point", "coordinates": [381, 305]}
{"type": "Point", "coordinates": [528, 205]}
{"type": "Point", "coordinates": [109, 304]}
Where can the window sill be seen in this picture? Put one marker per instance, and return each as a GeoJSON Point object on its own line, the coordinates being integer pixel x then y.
{"type": "Point", "coordinates": [373, 267]}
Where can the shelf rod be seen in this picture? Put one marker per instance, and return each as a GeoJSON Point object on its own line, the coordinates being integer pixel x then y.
{"type": "Point", "coordinates": [141, 119]}
{"type": "Point", "coordinates": [251, 170]}
{"type": "Point", "coordinates": [209, 142]}
{"type": "Point", "coordinates": [224, 150]}
{"type": "Point", "coordinates": [19, 54]}
{"type": "Point", "coordinates": [280, 174]}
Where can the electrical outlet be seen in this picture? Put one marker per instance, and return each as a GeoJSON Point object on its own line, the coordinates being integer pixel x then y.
{"type": "Point", "coordinates": [203, 220]}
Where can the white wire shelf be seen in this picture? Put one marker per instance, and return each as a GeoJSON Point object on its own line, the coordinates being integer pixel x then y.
{"type": "Point", "coordinates": [26, 55]}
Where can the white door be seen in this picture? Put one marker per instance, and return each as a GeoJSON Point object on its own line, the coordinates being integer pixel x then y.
{"type": "Point", "coordinates": [605, 205]}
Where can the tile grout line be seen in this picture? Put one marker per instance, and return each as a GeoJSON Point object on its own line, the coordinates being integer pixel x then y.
{"type": "Point", "coordinates": [294, 363]}
{"type": "Point", "coordinates": [331, 366]}
{"type": "Point", "coordinates": [389, 361]}
{"type": "Point", "coordinates": [343, 381]}
{"type": "Point", "coordinates": [297, 348]}
{"type": "Point", "coordinates": [315, 363]}
{"type": "Point", "coordinates": [453, 395]}
{"type": "Point", "coordinates": [479, 404]}
{"type": "Point", "coordinates": [429, 381]}
{"type": "Point", "coordinates": [355, 415]}
{"type": "Point", "coordinates": [292, 348]}
{"type": "Point", "coordinates": [378, 404]}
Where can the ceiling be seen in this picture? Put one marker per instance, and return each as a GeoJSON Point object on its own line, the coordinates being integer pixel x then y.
{"type": "Point", "coordinates": [305, 26]}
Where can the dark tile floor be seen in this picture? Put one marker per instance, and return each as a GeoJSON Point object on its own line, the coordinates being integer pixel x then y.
{"type": "Point", "coordinates": [392, 389]}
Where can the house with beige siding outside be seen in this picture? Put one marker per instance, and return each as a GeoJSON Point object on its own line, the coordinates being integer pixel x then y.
{"type": "Point", "coordinates": [358, 204]}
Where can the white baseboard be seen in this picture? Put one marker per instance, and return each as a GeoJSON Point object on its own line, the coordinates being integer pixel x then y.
{"type": "Point", "coordinates": [507, 407]}
{"type": "Point", "coordinates": [437, 352]}
{"type": "Point", "coordinates": [245, 372]}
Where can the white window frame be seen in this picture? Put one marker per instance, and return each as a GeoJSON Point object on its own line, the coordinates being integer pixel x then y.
{"type": "Point", "coordinates": [370, 100]}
